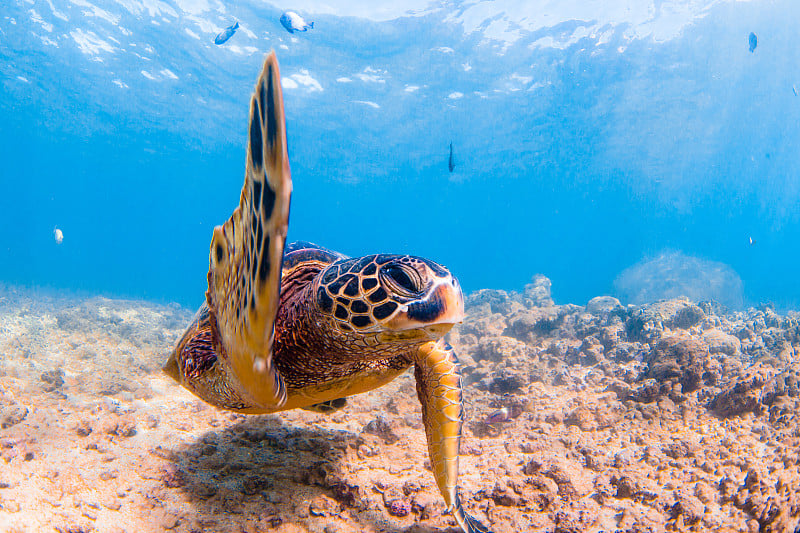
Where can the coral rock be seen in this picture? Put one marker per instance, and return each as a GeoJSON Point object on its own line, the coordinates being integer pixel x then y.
{"type": "Point", "coordinates": [720, 342]}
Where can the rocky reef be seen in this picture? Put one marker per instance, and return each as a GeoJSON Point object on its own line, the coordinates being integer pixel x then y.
{"type": "Point", "coordinates": [672, 415]}
{"type": "Point", "coordinates": [669, 416]}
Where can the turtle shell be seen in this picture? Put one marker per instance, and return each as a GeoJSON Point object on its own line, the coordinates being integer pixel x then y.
{"type": "Point", "coordinates": [299, 252]}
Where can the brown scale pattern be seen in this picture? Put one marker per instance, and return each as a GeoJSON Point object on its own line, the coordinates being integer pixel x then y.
{"type": "Point", "coordinates": [309, 349]}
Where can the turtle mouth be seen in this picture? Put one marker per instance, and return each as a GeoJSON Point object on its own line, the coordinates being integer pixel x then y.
{"type": "Point", "coordinates": [432, 332]}
{"type": "Point", "coordinates": [436, 331]}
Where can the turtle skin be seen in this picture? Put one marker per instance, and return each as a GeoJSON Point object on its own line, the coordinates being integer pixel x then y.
{"type": "Point", "coordinates": [300, 326]}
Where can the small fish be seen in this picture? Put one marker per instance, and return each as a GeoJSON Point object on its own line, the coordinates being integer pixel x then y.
{"type": "Point", "coordinates": [58, 235]}
{"type": "Point", "coordinates": [451, 161]}
{"type": "Point", "coordinates": [794, 89]}
{"type": "Point", "coordinates": [753, 40]}
{"type": "Point", "coordinates": [294, 22]}
{"type": "Point", "coordinates": [501, 415]}
{"type": "Point", "coordinates": [223, 36]}
{"type": "Point", "coordinates": [752, 241]}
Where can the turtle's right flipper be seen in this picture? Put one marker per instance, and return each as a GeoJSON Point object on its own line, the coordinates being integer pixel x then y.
{"type": "Point", "coordinates": [439, 390]}
{"type": "Point", "coordinates": [244, 275]}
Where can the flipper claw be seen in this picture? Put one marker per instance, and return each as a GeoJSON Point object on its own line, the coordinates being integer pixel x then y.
{"type": "Point", "coordinates": [468, 523]}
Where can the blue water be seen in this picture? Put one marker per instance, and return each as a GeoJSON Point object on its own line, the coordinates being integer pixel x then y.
{"type": "Point", "coordinates": [576, 161]}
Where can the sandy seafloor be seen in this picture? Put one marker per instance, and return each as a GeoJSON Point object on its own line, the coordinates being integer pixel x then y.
{"type": "Point", "coordinates": [671, 416]}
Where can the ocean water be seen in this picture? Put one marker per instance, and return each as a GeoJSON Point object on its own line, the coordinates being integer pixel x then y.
{"type": "Point", "coordinates": [623, 217]}
{"type": "Point", "coordinates": [587, 138]}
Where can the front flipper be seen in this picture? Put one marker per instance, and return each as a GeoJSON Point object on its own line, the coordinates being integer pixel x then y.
{"type": "Point", "coordinates": [244, 276]}
{"type": "Point", "coordinates": [439, 390]}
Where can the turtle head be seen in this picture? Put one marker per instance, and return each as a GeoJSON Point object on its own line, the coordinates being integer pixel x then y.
{"type": "Point", "coordinates": [394, 297]}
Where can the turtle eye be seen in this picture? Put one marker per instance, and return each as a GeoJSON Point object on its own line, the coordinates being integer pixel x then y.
{"type": "Point", "coordinates": [402, 280]}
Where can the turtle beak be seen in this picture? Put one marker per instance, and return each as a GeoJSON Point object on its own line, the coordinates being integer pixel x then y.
{"type": "Point", "coordinates": [452, 309]}
{"type": "Point", "coordinates": [453, 302]}
{"type": "Point", "coordinates": [446, 298]}
{"type": "Point", "coordinates": [435, 314]}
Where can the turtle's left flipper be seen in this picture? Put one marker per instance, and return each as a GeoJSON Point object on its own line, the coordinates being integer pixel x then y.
{"type": "Point", "coordinates": [244, 276]}
{"type": "Point", "coordinates": [439, 389]}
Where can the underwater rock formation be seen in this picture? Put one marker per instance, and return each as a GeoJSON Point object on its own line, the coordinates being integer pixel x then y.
{"type": "Point", "coordinates": [673, 274]}
{"type": "Point", "coordinates": [669, 415]}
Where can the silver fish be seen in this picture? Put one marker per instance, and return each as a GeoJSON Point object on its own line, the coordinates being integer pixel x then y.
{"type": "Point", "coordinates": [753, 41]}
{"type": "Point", "coordinates": [501, 415]}
{"type": "Point", "coordinates": [294, 22]}
{"type": "Point", "coordinates": [223, 36]}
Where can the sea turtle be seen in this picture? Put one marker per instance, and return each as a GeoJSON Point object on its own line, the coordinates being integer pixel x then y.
{"type": "Point", "coordinates": [301, 326]}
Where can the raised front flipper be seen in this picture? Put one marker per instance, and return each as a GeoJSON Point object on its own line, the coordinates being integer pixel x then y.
{"type": "Point", "coordinates": [439, 390]}
{"type": "Point", "coordinates": [244, 275]}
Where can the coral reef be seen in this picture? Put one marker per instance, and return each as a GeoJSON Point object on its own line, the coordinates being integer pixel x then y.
{"type": "Point", "coordinates": [665, 416]}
